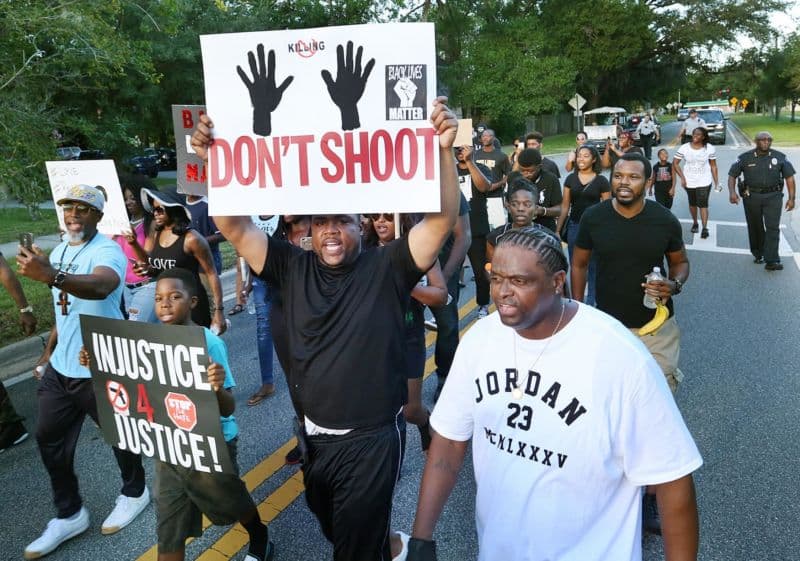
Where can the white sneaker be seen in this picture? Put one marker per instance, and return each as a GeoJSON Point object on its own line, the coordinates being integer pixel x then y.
{"type": "Point", "coordinates": [57, 532]}
{"type": "Point", "coordinates": [483, 311]}
{"type": "Point", "coordinates": [126, 510]}
{"type": "Point", "coordinates": [403, 552]}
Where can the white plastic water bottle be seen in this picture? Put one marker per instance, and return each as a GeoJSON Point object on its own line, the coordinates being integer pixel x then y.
{"type": "Point", "coordinates": [655, 275]}
{"type": "Point", "coordinates": [251, 304]}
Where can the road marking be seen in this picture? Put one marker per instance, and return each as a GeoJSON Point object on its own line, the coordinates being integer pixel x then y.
{"type": "Point", "coordinates": [710, 244]}
{"type": "Point", "coordinates": [229, 543]}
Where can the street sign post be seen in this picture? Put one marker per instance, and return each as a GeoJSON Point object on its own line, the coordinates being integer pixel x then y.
{"type": "Point", "coordinates": [577, 102]}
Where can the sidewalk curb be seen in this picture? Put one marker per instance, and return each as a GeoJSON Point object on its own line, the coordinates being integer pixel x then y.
{"type": "Point", "coordinates": [18, 359]}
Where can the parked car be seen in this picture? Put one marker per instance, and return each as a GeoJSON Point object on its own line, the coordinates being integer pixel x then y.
{"type": "Point", "coordinates": [92, 155]}
{"type": "Point", "coordinates": [633, 122]}
{"type": "Point", "coordinates": [144, 165]}
{"type": "Point", "coordinates": [683, 114]}
{"type": "Point", "coordinates": [166, 158]}
{"type": "Point", "coordinates": [715, 124]}
{"type": "Point", "coordinates": [68, 153]}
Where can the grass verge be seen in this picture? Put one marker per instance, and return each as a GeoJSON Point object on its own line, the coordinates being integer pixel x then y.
{"type": "Point", "coordinates": [39, 297]}
{"type": "Point", "coordinates": [14, 221]}
{"type": "Point", "coordinates": [784, 132]}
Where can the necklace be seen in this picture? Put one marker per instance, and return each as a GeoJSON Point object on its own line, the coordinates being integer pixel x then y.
{"type": "Point", "coordinates": [516, 393]}
{"type": "Point", "coordinates": [62, 295]}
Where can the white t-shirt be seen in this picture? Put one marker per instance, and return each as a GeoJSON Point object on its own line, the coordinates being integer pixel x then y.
{"type": "Point", "coordinates": [690, 124]}
{"type": "Point", "coordinates": [696, 164]}
{"type": "Point", "coordinates": [560, 470]}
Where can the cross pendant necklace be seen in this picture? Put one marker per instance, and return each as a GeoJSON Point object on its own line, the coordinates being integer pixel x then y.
{"type": "Point", "coordinates": [64, 302]}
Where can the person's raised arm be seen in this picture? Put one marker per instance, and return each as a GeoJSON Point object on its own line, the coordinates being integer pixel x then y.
{"type": "Point", "coordinates": [250, 242]}
{"type": "Point", "coordinates": [427, 237]}
{"type": "Point", "coordinates": [445, 458]}
{"type": "Point", "coordinates": [434, 293]}
{"type": "Point", "coordinates": [677, 505]}
{"type": "Point", "coordinates": [480, 180]}
{"type": "Point", "coordinates": [97, 285]}
{"type": "Point", "coordinates": [14, 288]}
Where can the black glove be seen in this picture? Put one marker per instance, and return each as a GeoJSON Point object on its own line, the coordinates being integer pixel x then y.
{"type": "Point", "coordinates": [264, 95]}
{"type": "Point", "coordinates": [421, 550]}
{"type": "Point", "coordinates": [348, 88]}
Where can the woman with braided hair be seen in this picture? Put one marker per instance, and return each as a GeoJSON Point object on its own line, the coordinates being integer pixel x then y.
{"type": "Point", "coordinates": [569, 417]}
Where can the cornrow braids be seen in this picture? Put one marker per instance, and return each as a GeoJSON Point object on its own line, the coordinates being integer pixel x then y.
{"type": "Point", "coordinates": [541, 240]}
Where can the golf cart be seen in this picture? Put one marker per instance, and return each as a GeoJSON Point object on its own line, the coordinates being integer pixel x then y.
{"type": "Point", "coordinates": [604, 123]}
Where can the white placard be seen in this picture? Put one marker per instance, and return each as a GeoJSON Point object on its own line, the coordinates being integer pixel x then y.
{"type": "Point", "coordinates": [65, 174]}
{"type": "Point", "coordinates": [300, 152]}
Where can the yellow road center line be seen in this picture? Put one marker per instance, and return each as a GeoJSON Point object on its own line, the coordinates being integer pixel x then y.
{"type": "Point", "coordinates": [236, 538]}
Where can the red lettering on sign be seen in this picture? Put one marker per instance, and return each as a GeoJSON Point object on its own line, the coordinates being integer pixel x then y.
{"type": "Point", "coordinates": [143, 403]}
{"type": "Point", "coordinates": [188, 122]}
{"type": "Point", "coordinates": [270, 160]}
{"type": "Point", "coordinates": [220, 155]}
{"type": "Point", "coordinates": [332, 157]}
{"type": "Point", "coordinates": [195, 173]}
{"type": "Point", "coordinates": [181, 410]}
{"type": "Point", "coordinates": [302, 143]}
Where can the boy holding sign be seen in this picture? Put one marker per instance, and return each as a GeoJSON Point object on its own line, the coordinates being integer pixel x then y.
{"type": "Point", "coordinates": [183, 495]}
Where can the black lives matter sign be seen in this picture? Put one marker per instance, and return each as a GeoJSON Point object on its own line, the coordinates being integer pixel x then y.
{"type": "Point", "coordinates": [152, 392]}
{"type": "Point", "coordinates": [406, 92]}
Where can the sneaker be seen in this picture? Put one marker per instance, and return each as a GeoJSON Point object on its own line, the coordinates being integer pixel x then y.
{"type": "Point", "coordinates": [483, 311]}
{"type": "Point", "coordinates": [430, 325]}
{"type": "Point", "coordinates": [124, 512]}
{"type": "Point", "coordinates": [695, 228]}
{"type": "Point", "coordinates": [704, 233]}
{"type": "Point", "coordinates": [651, 521]}
{"type": "Point", "coordinates": [403, 552]}
{"type": "Point", "coordinates": [11, 435]}
{"type": "Point", "coordinates": [57, 532]}
{"type": "Point", "coordinates": [758, 260]}
{"type": "Point", "coordinates": [294, 456]}
{"type": "Point", "coordinates": [774, 266]}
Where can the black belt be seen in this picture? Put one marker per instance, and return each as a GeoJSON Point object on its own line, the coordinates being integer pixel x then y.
{"type": "Point", "coordinates": [137, 284]}
{"type": "Point", "coordinates": [766, 190]}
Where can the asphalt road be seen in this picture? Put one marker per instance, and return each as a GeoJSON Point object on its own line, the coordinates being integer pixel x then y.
{"type": "Point", "coordinates": [739, 399]}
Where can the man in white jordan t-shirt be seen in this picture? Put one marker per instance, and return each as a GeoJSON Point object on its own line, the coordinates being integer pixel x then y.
{"type": "Point", "coordinates": [570, 418]}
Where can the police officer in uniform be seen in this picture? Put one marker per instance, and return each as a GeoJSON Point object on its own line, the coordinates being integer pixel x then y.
{"type": "Point", "coordinates": [761, 189]}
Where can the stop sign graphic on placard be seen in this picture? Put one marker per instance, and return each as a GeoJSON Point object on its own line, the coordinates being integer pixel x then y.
{"type": "Point", "coordinates": [181, 410]}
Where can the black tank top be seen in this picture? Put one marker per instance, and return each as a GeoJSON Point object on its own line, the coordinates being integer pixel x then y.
{"type": "Point", "coordinates": [163, 258]}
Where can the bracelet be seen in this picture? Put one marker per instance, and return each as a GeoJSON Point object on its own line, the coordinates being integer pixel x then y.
{"type": "Point", "coordinates": [26, 310]}
{"type": "Point", "coordinates": [220, 308]}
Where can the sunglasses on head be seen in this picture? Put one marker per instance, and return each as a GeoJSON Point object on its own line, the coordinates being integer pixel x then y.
{"type": "Point", "coordinates": [77, 207]}
{"type": "Point", "coordinates": [386, 216]}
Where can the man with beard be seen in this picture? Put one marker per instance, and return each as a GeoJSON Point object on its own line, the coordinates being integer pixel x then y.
{"type": "Point", "coordinates": [569, 418]}
{"type": "Point", "coordinates": [630, 236]}
{"type": "Point", "coordinates": [344, 314]}
{"type": "Point", "coordinates": [85, 275]}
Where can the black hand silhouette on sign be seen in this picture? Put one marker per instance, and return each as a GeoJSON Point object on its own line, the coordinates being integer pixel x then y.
{"type": "Point", "coordinates": [264, 95]}
{"type": "Point", "coordinates": [348, 88]}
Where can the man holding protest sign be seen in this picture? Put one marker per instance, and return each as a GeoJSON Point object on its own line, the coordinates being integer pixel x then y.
{"type": "Point", "coordinates": [85, 274]}
{"type": "Point", "coordinates": [344, 316]}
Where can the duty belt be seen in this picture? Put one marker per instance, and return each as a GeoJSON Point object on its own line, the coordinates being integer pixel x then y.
{"type": "Point", "coordinates": [772, 189]}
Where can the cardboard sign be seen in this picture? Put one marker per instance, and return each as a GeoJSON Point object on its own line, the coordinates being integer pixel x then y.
{"type": "Point", "coordinates": [464, 133]}
{"type": "Point", "coordinates": [65, 174]}
{"type": "Point", "coordinates": [191, 170]}
{"type": "Point", "coordinates": [326, 120]}
{"type": "Point", "coordinates": [152, 393]}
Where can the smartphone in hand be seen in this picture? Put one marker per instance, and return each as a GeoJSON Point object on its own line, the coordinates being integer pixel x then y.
{"type": "Point", "coordinates": [26, 240]}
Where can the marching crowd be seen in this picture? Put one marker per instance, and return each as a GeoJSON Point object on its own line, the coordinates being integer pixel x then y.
{"type": "Point", "coordinates": [577, 443]}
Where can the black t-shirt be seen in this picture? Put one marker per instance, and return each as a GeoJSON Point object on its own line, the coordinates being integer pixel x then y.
{"type": "Point", "coordinates": [551, 166]}
{"type": "Point", "coordinates": [662, 176]}
{"type": "Point", "coordinates": [583, 196]}
{"type": "Point", "coordinates": [444, 254]}
{"type": "Point", "coordinates": [478, 215]}
{"type": "Point", "coordinates": [549, 195]}
{"type": "Point", "coordinates": [492, 236]}
{"type": "Point", "coordinates": [346, 331]}
{"type": "Point", "coordinates": [497, 162]}
{"type": "Point", "coordinates": [615, 158]}
{"type": "Point", "coordinates": [627, 249]}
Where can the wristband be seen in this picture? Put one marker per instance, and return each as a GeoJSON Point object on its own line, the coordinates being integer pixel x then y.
{"type": "Point", "coordinates": [218, 308]}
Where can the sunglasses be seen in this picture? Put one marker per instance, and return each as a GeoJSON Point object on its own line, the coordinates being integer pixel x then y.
{"type": "Point", "coordinates": [76, 207]}
{"type": "Point", "coordinates": [386, 216]}
{"type": "Point", "coordinates": [159, 210]}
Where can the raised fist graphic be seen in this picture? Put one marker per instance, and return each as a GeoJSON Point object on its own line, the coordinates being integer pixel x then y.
{"type": "Point", "coordinates": [406, 90]}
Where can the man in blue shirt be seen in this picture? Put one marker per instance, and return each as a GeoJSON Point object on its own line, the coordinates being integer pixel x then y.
{"type": "Point", "coordinates": [85, 274]}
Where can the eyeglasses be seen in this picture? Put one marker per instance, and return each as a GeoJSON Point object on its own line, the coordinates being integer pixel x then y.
{"type": "Point", "coordinates": [77, 208]}
{"type": "Point", "coordinates": [159, 210]}
{"type": "Point", "coordinates": [386, 216]}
